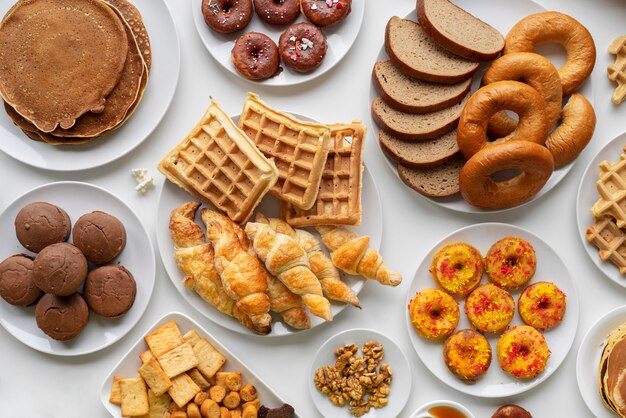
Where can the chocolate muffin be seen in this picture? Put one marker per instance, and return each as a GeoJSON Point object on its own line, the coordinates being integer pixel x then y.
{"type": "Point", "coordinates": [40, 224]}
{"type": "Point", "coordinates": [62, 317]}
{"type": "Point", "coordinates": [100, 236]}
{"type": "Point", "coordinates": [16, 280]}
{"type": "Point", "coordinates": [110, 290]}
{"type": "Point", "coordinates": [60, 269]}
{"type": "Point", "coordinates": [511, 411]}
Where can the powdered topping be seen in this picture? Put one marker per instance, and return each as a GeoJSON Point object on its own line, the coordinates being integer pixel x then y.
{"type": "Point", "coordinates": [542, 305]}
{"type": "Point", "coordinates": [523, 352]}
{"type": "Point", "coordinates": [434, 314]}
{"type": "Point", "coordinates": [458, 268]}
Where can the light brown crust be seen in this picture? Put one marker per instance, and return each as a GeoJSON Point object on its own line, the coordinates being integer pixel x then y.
{"type": "Point", "coordinates": [569, 139]}
{"type": "Point", "coordinates": [534, 70]}
{"type": "Point", "coordinates": [492, 98]}
{"type": "Point", "coordinates": [479, 189]}
{"type": "Point", "coordinates": [556, 27]}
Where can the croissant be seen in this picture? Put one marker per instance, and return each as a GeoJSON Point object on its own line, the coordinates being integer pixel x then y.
{"type": "Point", "coordinates": [328, 275]}
{"type": "Point", "coordinates": [194, 258]}
{"type": "Point", "coordinates": [352, 254]}
{"type": "Point", "coordinates": [282, 301]}
{"type": "Point", "coordinates": [287, 261]}
{"type": "Point", "coordinates": [242, 274]}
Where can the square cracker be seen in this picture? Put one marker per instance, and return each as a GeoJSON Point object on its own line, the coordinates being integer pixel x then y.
{"type": "Point", "coordinates": [155, 377]}
{"type": "Point", "coordinates": [183, 389]}
{"type": "Point", "coordinates": [192, 337]}
{"type": "Point", "coordinates": [164, 339]}
{"type": "Point", "coordinates": [158, 404]}
{"type": "Point", "coordinates": [116, 395]}
{"type": "Point", "coordinates": [134, 397]}
{"type": "Point", "coordinates": [210, 361]}
{"type": "Point", "coordinates": [199, 379]}
{"type": "Point", "coordinates": [145, 356]}
{"type": "Point", "coordinates": [178, 360]}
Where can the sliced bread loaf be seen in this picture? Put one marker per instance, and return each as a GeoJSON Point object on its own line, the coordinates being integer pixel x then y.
{"type": "Point", "coordinates": [420, 154]}
{"type": "Point", "coordinates": [440, 181]}
{"type": "Point", "coordinates": [458, 31]}
{"type": "Point", "coordinates": [417, 55]}
{"type": "Point", "coordinates": [412, 95]}
{"type": "Point", "coordinates": [409, 126]}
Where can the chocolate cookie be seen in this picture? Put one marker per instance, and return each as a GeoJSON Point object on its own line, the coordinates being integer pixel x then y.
{"type": "Point", "coordinates": [284, 411]}
{"type": "Point", "coordinates": [40, 224]}
{"type": "Point", "coordinates": [302, 47]}
{"type": "Point", "coordinates": [100, 236]}
{"type": "Point", "coordinates": [511, 411]}
{"type": "Point", "coordinates": [62, 317]}
{"type": "Point", "coordinates": [16, 280]}
{"type": "Point", "coordinates": [110, 290]}
{"type": "Point", "coordinates": [60, 269]}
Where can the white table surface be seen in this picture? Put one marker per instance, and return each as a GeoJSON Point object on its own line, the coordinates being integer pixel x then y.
{"type": "Point", "coordinates": [38, 385]}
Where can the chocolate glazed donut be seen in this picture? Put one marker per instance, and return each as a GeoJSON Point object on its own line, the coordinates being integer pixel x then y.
{"type": "Point", "coordinates": [227, 16]}
{"type": "Point", "coordinates": [302, 47]}
{"type": "Point", "coordinates": [255, 56]}
{"type": "Point", "coordinates": [326, 12]}
{"type": "Point", "coordinates": [277, 12]}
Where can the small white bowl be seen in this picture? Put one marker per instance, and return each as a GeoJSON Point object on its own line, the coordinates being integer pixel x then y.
{"type": "Point", "coordinates": [422, 412]}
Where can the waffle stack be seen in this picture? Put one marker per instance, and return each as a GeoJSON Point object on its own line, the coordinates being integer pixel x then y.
{"type": "Point", "coordinates": [608, 229]}
{"type": "Point", "coordinates": [72, 70]}
{"type": "Point", "coordinates": [314, 170]}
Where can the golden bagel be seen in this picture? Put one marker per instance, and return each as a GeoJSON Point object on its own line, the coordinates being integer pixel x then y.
{"type": "Point", "coordinates": [578, 122]}
{"type": "Point", "coordinates": [502, 95]}
{"type": "Point", "coordinates": [534, 70]}
{"type": "Point", "coordinates": [479, 189]}
{"type": "Point", "coordinates": [560, 28]}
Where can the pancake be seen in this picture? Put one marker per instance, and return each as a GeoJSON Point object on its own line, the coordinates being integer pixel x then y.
{"type": "Point", "coordinates": [132, 16]}
{"type": "Point", "coordinates": [612, 371]}
{"type": "Point", "coordinates": [58, 85]}
{"type": "Point", "coordinates": [118, 102]}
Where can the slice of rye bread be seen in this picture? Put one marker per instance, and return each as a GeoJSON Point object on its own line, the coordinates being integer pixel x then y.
{"type": "Point", "coordinates": [417, 55]}
{"type": "Point", "coordinates": [440, 181]}
{"type": "Point", "coordinates": [412, 95]}
{"type": "Point", "coordinates": [420, 154]}
{"type": "Point", "coordinates": [412, 127]}
{"type": "Point", "coordinates": [458, 31]}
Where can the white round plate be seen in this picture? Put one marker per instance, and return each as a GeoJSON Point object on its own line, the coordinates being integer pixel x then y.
{"type": "Point", "coordinates": [502, 16]}
{"type": "Point", "coordinates": [588, 195]}
{"type": "Point", "coordinates": [496, 383]}
{"type": "Point", "coordinates": [588, 360]}
{"type": "Point", "coordinates": [400, 385]}
{"type": "Point", "coordinates": [138, 257]}
{"type": "Point", "coordinates": [110, 147]}
{"type": "Point", "coordinates": [172, 196]}
{"type": "Point", "coordinates": [339, 37]}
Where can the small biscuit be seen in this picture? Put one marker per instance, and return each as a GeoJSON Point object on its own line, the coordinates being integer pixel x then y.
{"type": "Point", "coordinates": [116, 395]}
{"type": "Point", "coordinates": [158, 404]}
{"type": "Point", "coordinates": [183, 389]}
{"type": "Point", "coordinates": [155, 377]}
{"type": "Point", "coordinates": [145, 356]}
{"type": "Point", "coordinates": [178, 360]}
{"type": "Point", "coordinates": [164, 339]}
{"type": "Point", "coordinates": [210, 361]}
{"type": "Point", "coordinates": [134, 397]}
{"type": "Point", "coordinates": [192, 337]}
{"type": "Point", "coordinates": [199, 379]}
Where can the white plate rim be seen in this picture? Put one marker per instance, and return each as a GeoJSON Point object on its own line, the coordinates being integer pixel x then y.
{"type": "Point", "coordinates": [162, 247]}
{"type": "Point", "coordinates": [465, 207]}
{"type": "Point", "coordinates": [381, 338]}
{"type": "Point", "coordinates": [572, 297]}
{"type": "Point", "coordinates": [590, 346]}
{"type": "Point", "coordinates": [589, 178]}
{"type": "Point", "coordinates": [151, 263]}
{"type": "Point", "coordinates": [66, 168]}
{"type": "Point", "coordinates": [201, 28]}
{"type": "Point", "coordinates": [179, 316]}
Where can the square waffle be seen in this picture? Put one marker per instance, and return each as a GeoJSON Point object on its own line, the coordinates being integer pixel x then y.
{"type": "Point", "coordinates": [612, 190]}
{"type": "Point", "coordinates": [218, 163]}
{"type": "Point", "coordinates": [299, 150]}
{"type": "Point", "coordinates": [610, 240]}
{"type": "Point", "coordinates": [339, 198]}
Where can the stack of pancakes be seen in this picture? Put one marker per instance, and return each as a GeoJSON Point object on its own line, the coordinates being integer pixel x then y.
{"type": "Point", "coordinates": [72, 70]}
{"type": "Point", "coordinates": [612, 372]}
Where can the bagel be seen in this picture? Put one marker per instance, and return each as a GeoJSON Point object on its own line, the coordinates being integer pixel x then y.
{"type": "Point", "coordinates": [562, 29]}
{"type": "Point", "coordinates": [534, 70]}
{"type": "Point", "coordinates": [493, 98]}
{"type": "Point", "coordinates": [478, 188]}
{"type": "Point", "coordinates": [578, 122]}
